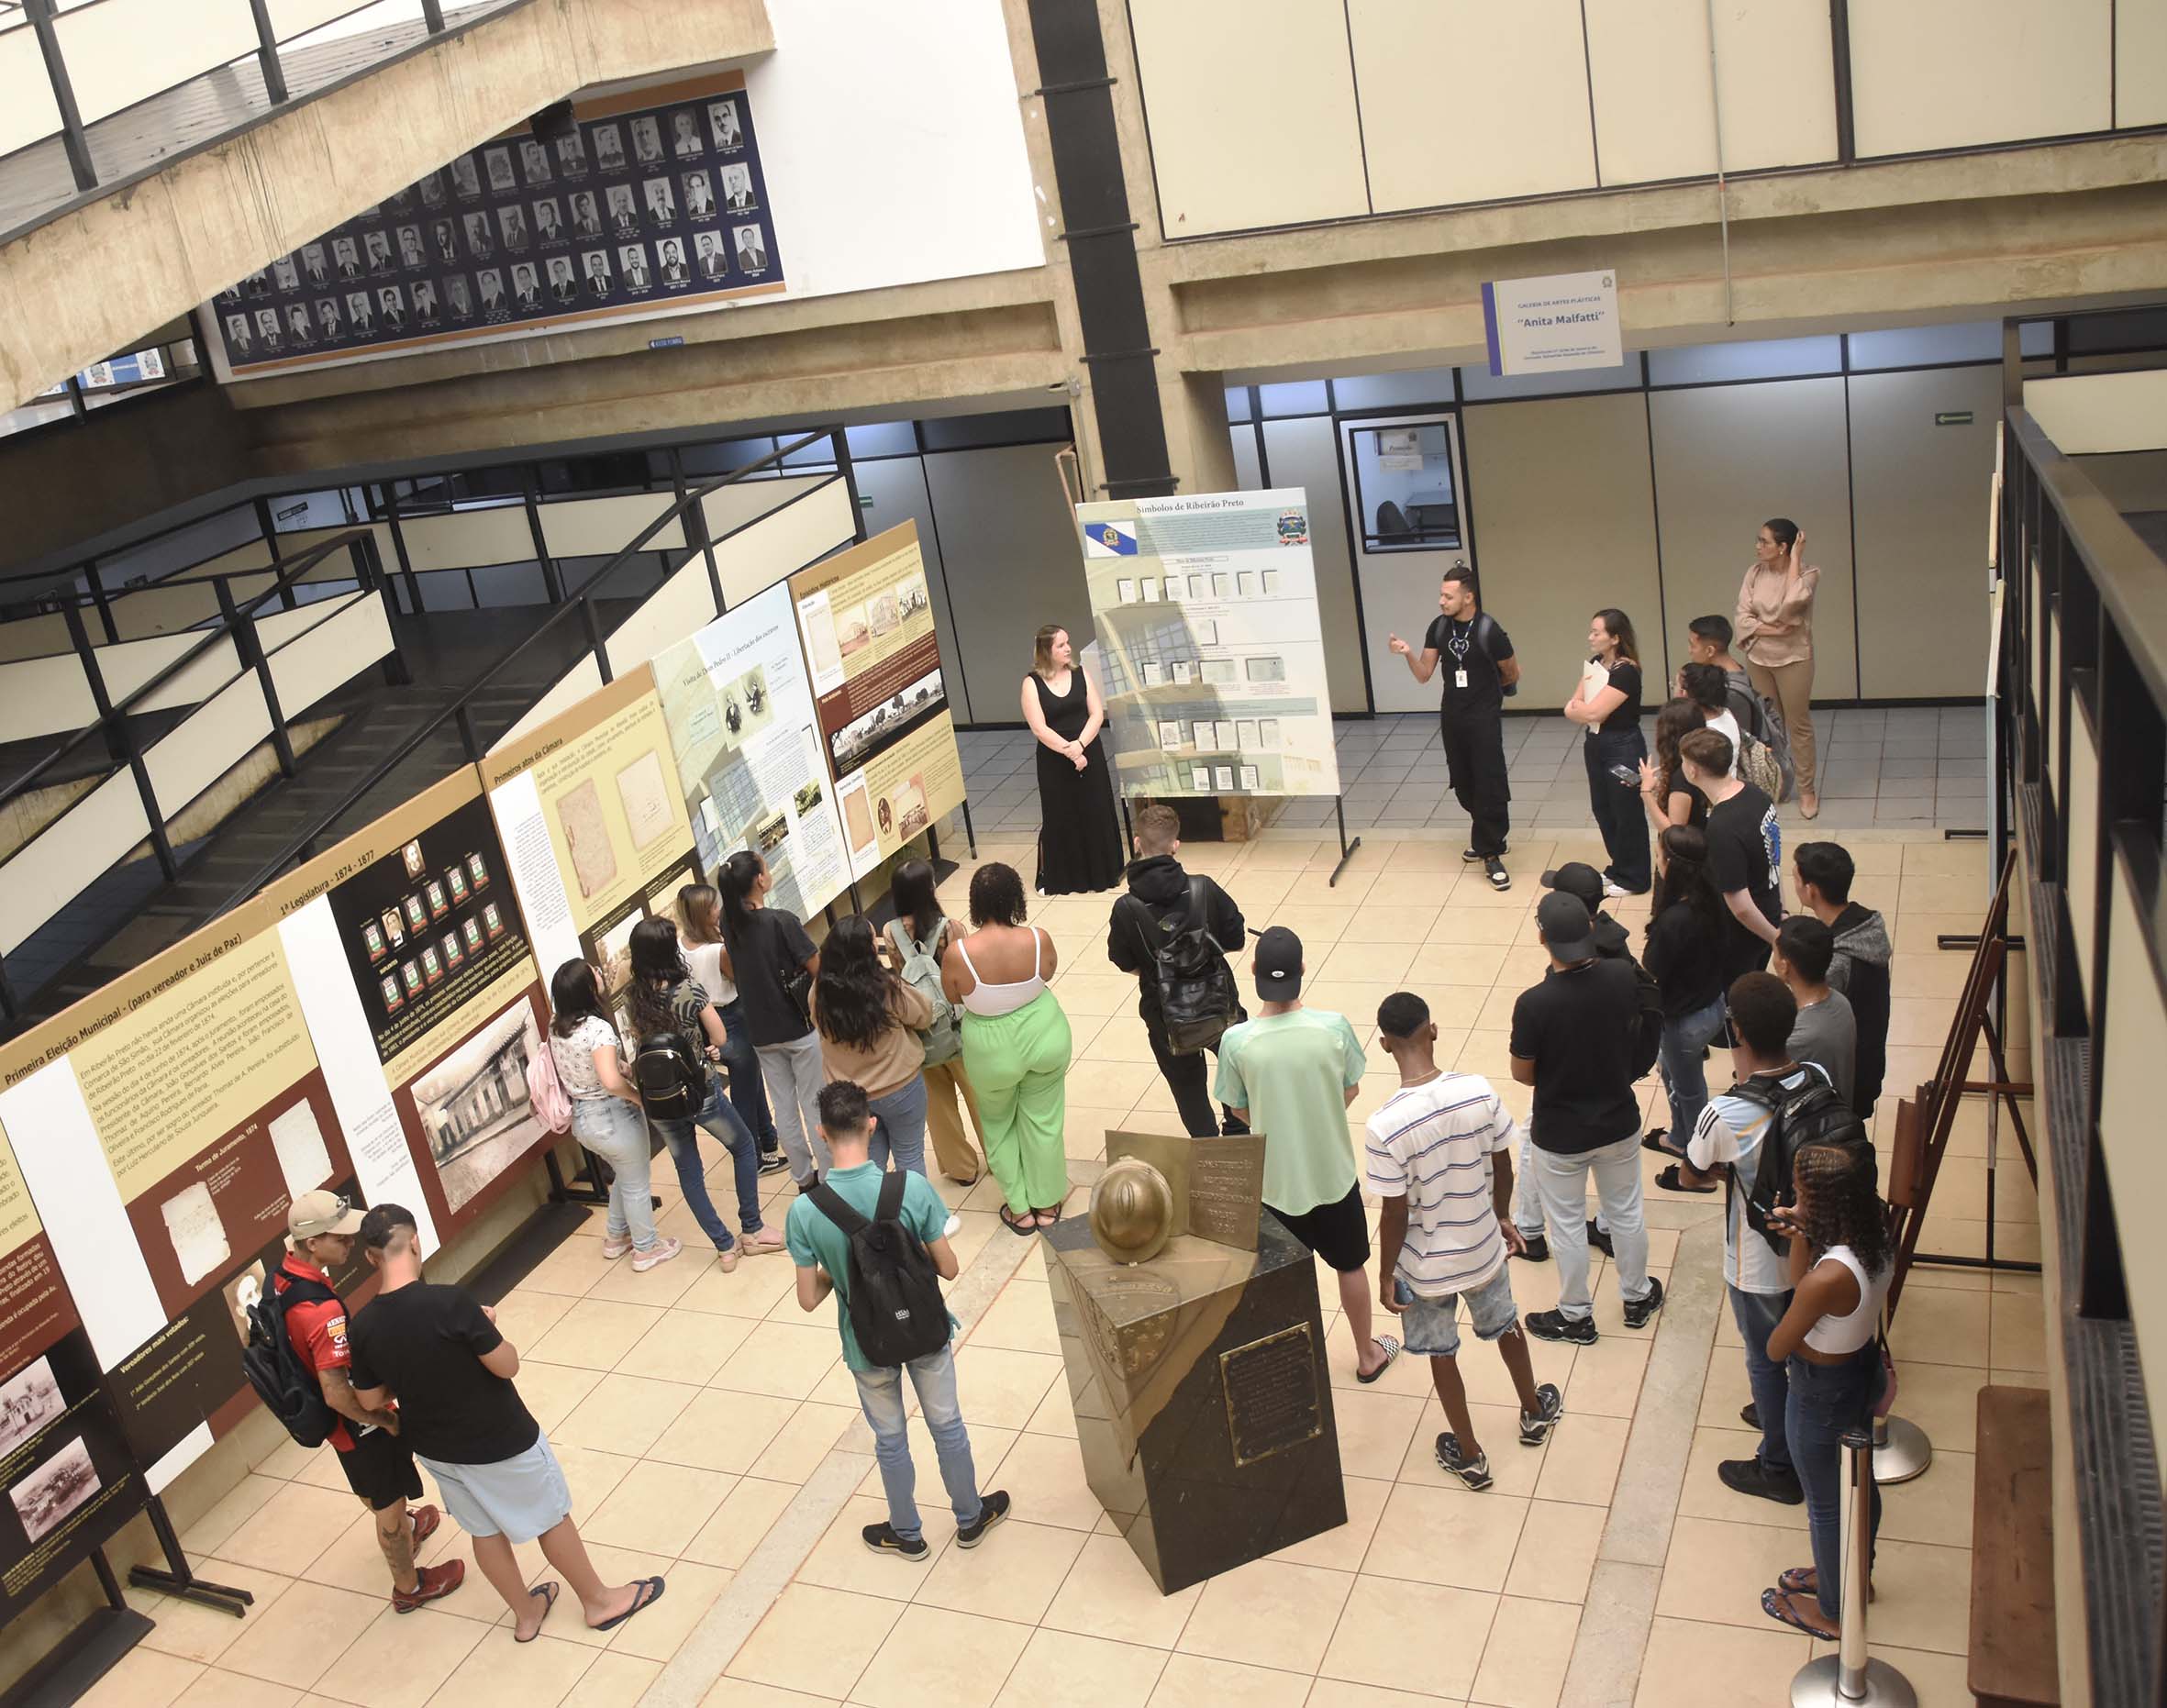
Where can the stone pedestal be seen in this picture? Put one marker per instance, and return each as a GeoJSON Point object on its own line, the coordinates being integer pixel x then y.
{"type": "Point", "coordinates": [1203, 1406]}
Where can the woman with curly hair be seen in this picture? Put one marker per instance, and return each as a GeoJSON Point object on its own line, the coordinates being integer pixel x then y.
{"type": "Point", "coordinates": [1016, 1047]}
{"type": "Point", "coordinates": [870, 1023]}
{"type": "Point", "coordinates": [1665, 791]}
{"type": "Point", "coordinates": [1843, 1255]}
{"type": "Point", "coordinates": [1685, 956]}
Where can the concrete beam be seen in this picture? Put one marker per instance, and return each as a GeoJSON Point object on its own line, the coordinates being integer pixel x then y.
{"type": "Point", "coordinates": [162, 246]}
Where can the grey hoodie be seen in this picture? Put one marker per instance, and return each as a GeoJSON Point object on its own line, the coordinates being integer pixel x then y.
{"type": "Point", "coordinates": [1861, 970]}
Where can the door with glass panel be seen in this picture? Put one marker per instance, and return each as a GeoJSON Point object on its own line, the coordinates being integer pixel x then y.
{"type": "Point", "coordinates": [1405, 498]}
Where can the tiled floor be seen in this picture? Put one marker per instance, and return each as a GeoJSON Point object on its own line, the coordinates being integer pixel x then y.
{"type": "Point", "coordinates": [709, 1432]}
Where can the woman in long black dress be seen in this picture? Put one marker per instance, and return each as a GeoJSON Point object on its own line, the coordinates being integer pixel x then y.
{"type": "Point", "coordinates": [1079, 848]}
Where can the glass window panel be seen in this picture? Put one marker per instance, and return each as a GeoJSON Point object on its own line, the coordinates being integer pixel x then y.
{"type": "Point", "coordinates": [1480, 385]}
{"type": "Point", "coordinates": [1923, 347]}
{"type": "Point", "coordinates": [882, 439]}
{"type": "Point", "coordinates": [1391, 391]}
{"type": "Point", "coordinates": [1404, 477]}
{"type": "Point", "coordinates": [1300, 397]}
{"type": "Point", "coordinates": [1237, 402]}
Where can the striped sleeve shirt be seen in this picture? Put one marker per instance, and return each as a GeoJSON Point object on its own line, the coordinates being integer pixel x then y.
{"type": "Point", "coordinates": [1431, 1145]}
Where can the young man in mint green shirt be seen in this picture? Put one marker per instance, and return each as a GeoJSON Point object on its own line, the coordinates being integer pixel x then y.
{"type": "Point", "coordinates": [822, 1252]}
{"type": "Point", "coordinates": [1290, 1073]}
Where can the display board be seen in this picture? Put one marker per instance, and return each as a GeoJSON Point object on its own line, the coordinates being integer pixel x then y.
{"type": "Point", "coordinates": [887, 735]}
{"type": "Point", "coordinates": [1211, 644]}
{"type": "Point", "coordinates": [163, 1127]}
{"type": "Point", "coordinates": [421, 994]}
{"type": "Point", "coordinates": [593, 825]}
{"type": "Point", "coordinates": [652, 203]}
{"type": "Point", "coordinates": [745, 732]}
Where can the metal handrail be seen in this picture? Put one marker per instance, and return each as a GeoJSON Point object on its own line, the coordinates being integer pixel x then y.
{"type": "Point", "coordinates": [229, 625]}
{"type": "Point", "coordinates": [304, 847]}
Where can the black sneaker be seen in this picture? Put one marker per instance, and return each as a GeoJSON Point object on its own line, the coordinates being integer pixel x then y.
{"type": "Point", "coordinates": [1537, 1249]}
{"type": "Point", "coordinates": [882, 1539]}
{"type": "Point", "coordinates": [991, 1508]}
{"type": "Point", "coordinates": [773, 1163]}
{"type": "Point", "coordinates": [1557, 1326]}
{"type": "Point", "coordinates": [1499, 878]}
{"type": "Point", "coordinates": [1638, 1314]}
{"type": "Point", "coordinates": [1469, 855]}
{"type": "Point", "coordinates": [1749, 1415]}
{"type": "Point", "coordinates": [1474, 1473]}
{"type": "Point", "coordinates": [1749, 1476]}
{"type": "Point", "coordinates": [1535, 1426]}
{"type": "Point", "coordinates": [1599, 1239]}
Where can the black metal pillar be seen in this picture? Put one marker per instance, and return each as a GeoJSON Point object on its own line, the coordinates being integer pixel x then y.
{"type": "Point", "coordinates": [552, 577]}
{"type": "Point", "coordinates": [74, 139]}
{"type": "Point", "coordinates": [694, 521]}
{"type": "Point", "coordinates": [123, 743]}
{"type": "Point", "coordinates": [274, 74]}
{"type": "Point", "coordinates": [249, 646]}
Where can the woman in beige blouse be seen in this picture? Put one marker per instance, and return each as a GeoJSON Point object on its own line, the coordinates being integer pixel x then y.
{"type": "Point", "coordinates": [1774, 635]}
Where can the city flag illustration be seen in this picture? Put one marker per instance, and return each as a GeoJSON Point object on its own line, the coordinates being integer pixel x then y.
{"type": "Point", "coordinates": [1109, 540]}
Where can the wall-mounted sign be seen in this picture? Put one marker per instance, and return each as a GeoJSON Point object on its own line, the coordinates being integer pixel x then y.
{"type": "Point", "coordinates": [1552, 325]}
{"type": "Point", "coordinates": [1952, 418]}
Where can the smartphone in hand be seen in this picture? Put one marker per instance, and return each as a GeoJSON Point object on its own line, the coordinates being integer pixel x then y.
{"type": "Point", "coordinates": [1627, 775]}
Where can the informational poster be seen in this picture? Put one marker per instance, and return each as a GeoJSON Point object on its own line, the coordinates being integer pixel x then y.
{"type": "Point", "coordinates": [1210, 644]}
{"type": "Point", "coordinates": [593, 825]}
{"type": "Point", "coordinates": [71, 1480]}
{"type": "Point", "coordinates": [163, 1127]}
{"type": "Point", "coordinates": [747, 739]}
{"type": "Point", "coordinates": [424, 1002]}
{"type": "Point", "coordinates": [885, 728]}
{"type": "Point", "coordinates": [1552, 325]}
{"type": "Point", "coordinates": [651, 203]}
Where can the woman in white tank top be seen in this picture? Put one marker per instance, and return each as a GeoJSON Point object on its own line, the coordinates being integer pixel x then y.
{"type": "Point", "coordinates": [1842, 1256]}
{"type": "Point", "coordinates": [1016, 1047]}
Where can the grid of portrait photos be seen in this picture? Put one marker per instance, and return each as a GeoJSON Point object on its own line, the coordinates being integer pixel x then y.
{"type": "Point", "coordinates": [620, 213]}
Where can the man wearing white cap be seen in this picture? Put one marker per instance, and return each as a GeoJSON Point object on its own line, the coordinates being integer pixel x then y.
{"type": "Point", "coordinates": [377, 1464]}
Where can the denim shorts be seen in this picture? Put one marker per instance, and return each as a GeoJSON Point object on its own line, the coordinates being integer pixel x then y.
{"type": "Point", "coordinates": [1430, 1326]}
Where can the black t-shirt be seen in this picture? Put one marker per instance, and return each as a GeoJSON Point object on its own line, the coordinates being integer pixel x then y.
{"type": "Point", "coordinates": [1577, 1028]}
{"type": "Point", "coordinates": [1685, 957]}
{"type": "Point", "coordinates": [425, 1343]}
{"type": "Point", "coordinates": [1624, 676]}
{"type": "Point", "coordinates": [1477, 646]}
{"type": "Point", "coordinates": [1745, 852]}
{"type": "Point", "coordinates": [775, 944]}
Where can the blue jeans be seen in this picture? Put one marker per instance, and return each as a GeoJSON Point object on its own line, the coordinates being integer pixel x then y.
{"type": "Point", "coordinates": [880, 1396]}
{"type": "Point", "coordinates": [899, 1126]}
{"type": "Point", "coordinates": [1826, 1400]}
{"type": "Point", "coordinates": [613, 1130]}
{"type": "Point", "coordinates": [722, 1120]}
{"type": "Point", "coordinates": [1757, 1314]}
{"type": "Point", "coordinates": [1618, 812]}
{"type": "Point", "coordinates": [1685, 1074]}
{"type": "Point", "coordinates": [748, 1091]}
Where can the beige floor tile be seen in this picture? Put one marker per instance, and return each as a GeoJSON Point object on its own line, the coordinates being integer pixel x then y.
{"type": "Point", "coordinates": [1371, 1645]}
{"type": "Point", "coordinates": [933, 1659]}
{"type": "Point", "coordinates": [841, 1560]}
{"type": "Point", "coordinates": [661, 1631]}
{"type": "Point", "coordinates": [1585, 1468]}
{"type": "Point", "coordinates": [1705, 1494]}
{"type": "Point", "coordinates": [1014, 1575]}
{"type": "Point", "coordinates": [290, 1530]}
{"type": "Point", "coordinates": [551, 1391]}
{"type": "Point", "coordinates": [142, 1679]}
{"type": "Point", "coordinates": [1941, 1327]}
{"type": "Point", "coordinates": [1434, 1535]}
{"type": "Point", "coordinates": [1344, 1694]}
{"type": "Point", "coordinates": [353, 1561]}
{"type": "Point", "coordinates": [1557, 1551]}
{"type": "Point", "coordinates": [1605, 1378]}
{"type": "Point", "coordinates": [1938, 1679]}
{"type": "Point", "coordinates": [1002, 1388]}
{"type": "Point", "coordinates": [188, 1631]}
{"type": "Point", "coordinates": [1109, 1593]}
{"type": "Point", "coordinates": [2019, 1338]}
{"type": "Point", "coordinates": [1056, 1414]}
{"type": "Point", "coordinates": [1716, 1570]}
{"type": "Point", "coordinates": [1268, 1614]}
{"type": "Point", "coordinates": [1044, 1476]}
{"type": "Point", "coordinates": [741, 1522]}
{"type": "Point", "coordinates": [1516, 1469]}
{"type": "Point", "coordinates": [1341, 1547]}
{"type": "Point", "coordinates": [1913, 1605]}
{"type": "Point", "coordinates": [1524, 1662]}
{"type": "Point", "coordinates": [783, 1358]}
{"type": "Point", "coordinates": [658, 1508]}
{"type": "Point", "coordinates": [1374, 1428]}
{"type": "Point", "coordinates": [1481, 1368]}
{"type": "Point", "coordinates": [499, 1674]}
{"type": "Point", "coordinates": [1726, 1389]}
{"type": "Point", "coordinates": [1021, 1319]}
{"type": "Point", "coordinates": [401, 1660]}
{"type": "Point", "coordinates": [1689, 1664]}
{"type": "Point", "coordinates": [754, 1289]}
{"type": "Point", "coordinates": [686, 1347]}
{"type": "Point", "coordinates": [289, 1461]}
{"type": "Point", "coordinates": [1488, 928]}
{"type": "Point", "coordinates": [525, 1314]}
{"type": "Point", "coordinates": [624, 1413]}
{"type": "Point", "coordinates": [1935, 1507]}
{"type": "Point", "coordinates": [1196, 1681]}
{"type": "Point", "coordinates": [1061, 1670]}
{"type": "Point", "coordinates": [729, 1692]}
{"type": "Point", "coordinates": [611, 1681]}
{"type": "Point", "coordinates": [572, 1269]}
{"type": "Point", "coordinates": [595, 1334]}
{"type": "Point", "coordinates": [216, 1689]}
{"type": "Point", "coordinates": [815, 1640]}
{"type": "Point", "coordinates": [1942, 1400]}
{"type": "Point", "coordinates": [803, 1442]}
{"type": "Point", "coordinates": [721, 1430]}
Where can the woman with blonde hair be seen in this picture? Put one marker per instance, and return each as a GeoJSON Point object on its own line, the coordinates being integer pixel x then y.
{"type": "Point", "coordinates": [699, 935]}
{"type": "Point", "coordinates": [1079, 845]}
{"type": "Point", "coordinates": [1774, 635]}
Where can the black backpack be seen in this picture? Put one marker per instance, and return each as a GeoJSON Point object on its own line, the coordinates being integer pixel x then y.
{"type": "Point", "coordinates": [670, 1076]}
{"type": "Point", "coordinates": [894, 1291]}
{"type": "Point", "coordinates": [288, 1388]}
{"type": "Point", "coordinates": [1197, 998]}
{"type": "Point", "coordinates": [1814, 1115]}
{"type": "Point", "coordinates": [1648, 1018]}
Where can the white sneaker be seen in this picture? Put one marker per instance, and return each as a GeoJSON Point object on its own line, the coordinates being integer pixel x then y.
{"type": "Point", "coordinates": [615, 1249]}
{"type": "Point", "coordinates": [660, 1252]}
{"type": "Point", "coordinates": [1614, 890]}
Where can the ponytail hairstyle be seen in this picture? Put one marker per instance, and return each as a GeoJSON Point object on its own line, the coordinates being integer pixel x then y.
{"type": "Point", "coordinates": [694, 903]}
{"type": "Point", "coordinates": [915, 904]}
{"type": "Point", "coordinates": [735, 881]}
{"type": "Point", "coordinates": [573, 997]}
{"type": "Point", "coordinates": [658, 968]}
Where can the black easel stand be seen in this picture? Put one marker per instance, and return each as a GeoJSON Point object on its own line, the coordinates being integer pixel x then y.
{"type": "Point", "coordinates": [593, 1192]}
{"type": "Point", "coordinates": [181, 1580]}
{"type": "Point", "coordinates": [970, 834]}
{"type": "Point", "coordinates": [88, 1653]}
{"type": "Point", "coordinates": [1346, 847]}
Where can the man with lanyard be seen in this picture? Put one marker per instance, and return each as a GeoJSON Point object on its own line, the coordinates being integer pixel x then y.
{"type": "Point", "coordinates": [1480, 670]}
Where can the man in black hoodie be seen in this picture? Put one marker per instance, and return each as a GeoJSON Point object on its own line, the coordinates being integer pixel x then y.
{"type": "Point", "coordinates": [1822, 873]}
{"type": "Point", "coordinates": [1157, 890]}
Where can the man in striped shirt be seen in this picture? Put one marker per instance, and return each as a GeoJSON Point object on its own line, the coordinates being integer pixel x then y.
{"type": "Point", "coordinates": [1439, 1156]}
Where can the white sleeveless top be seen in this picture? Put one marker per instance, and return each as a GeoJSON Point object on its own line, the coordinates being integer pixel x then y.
{"type": "Point", "coordinates": [1840, 1335]}
{"type": "Point", "coordinates": [992, 1000]}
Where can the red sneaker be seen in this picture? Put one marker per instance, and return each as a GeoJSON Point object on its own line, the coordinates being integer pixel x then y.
{"type": "Point", "coordinates": [426, 1520]}
{"type": "Point", "coordinates": [431, 1582]}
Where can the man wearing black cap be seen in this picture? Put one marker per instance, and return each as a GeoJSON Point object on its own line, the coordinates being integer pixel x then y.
{"type": "Point", "coordinates": [1572, 1040]}
{"type": "Point", "coordinates": [1290, 1074]}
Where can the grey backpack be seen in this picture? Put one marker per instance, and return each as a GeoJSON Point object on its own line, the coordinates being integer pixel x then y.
{"type": "Point", "coordinates": [944, 1039]}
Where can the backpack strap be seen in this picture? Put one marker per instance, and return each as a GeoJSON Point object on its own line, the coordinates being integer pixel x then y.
{"type": "Point", "coordinates": [836, 1209]}
{"type": "Point", "coordinates": [1200, 908]}
{"type": "Point", "coordinates": [890, 1207]}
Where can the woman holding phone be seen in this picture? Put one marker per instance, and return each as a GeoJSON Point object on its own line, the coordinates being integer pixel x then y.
{"type": "Point", "coordinates": [1608, 705]}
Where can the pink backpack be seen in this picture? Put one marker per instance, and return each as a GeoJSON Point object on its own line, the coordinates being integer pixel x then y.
{"type": "Point", "coordinates": [545, 1090]}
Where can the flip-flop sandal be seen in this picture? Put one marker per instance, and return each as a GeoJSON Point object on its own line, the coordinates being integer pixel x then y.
{"type": "Point", "coordinates": [1021, 1229]}
{"type": "Point", "coordinates": [646, 1592]}
{"type": "Point", "coordinates": [548, 1591]}
{"type": "Point", "coordinates": [1391, 1347]}
{"type": "Point", "coordinates": [1054, 1212]}
{"type": "Point", "coordinates": [1658, 1140]}
{"type": "Point", "coordinates": [1803, 1579]}
{"type": "Point", "coordinates": [1671, 1181]}
{"type": "Point", "coordinates": [1776, 1607]}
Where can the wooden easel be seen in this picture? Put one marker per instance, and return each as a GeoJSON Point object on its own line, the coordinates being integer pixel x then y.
{"type": "Point", "coordinates": [1916, 1159]}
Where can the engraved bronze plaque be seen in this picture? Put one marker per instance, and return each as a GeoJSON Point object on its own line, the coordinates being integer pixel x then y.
{"type": "Point", "coordinates": [1227, 1189]}
{"type": "Point", "coordinates": [1271, 1398]}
